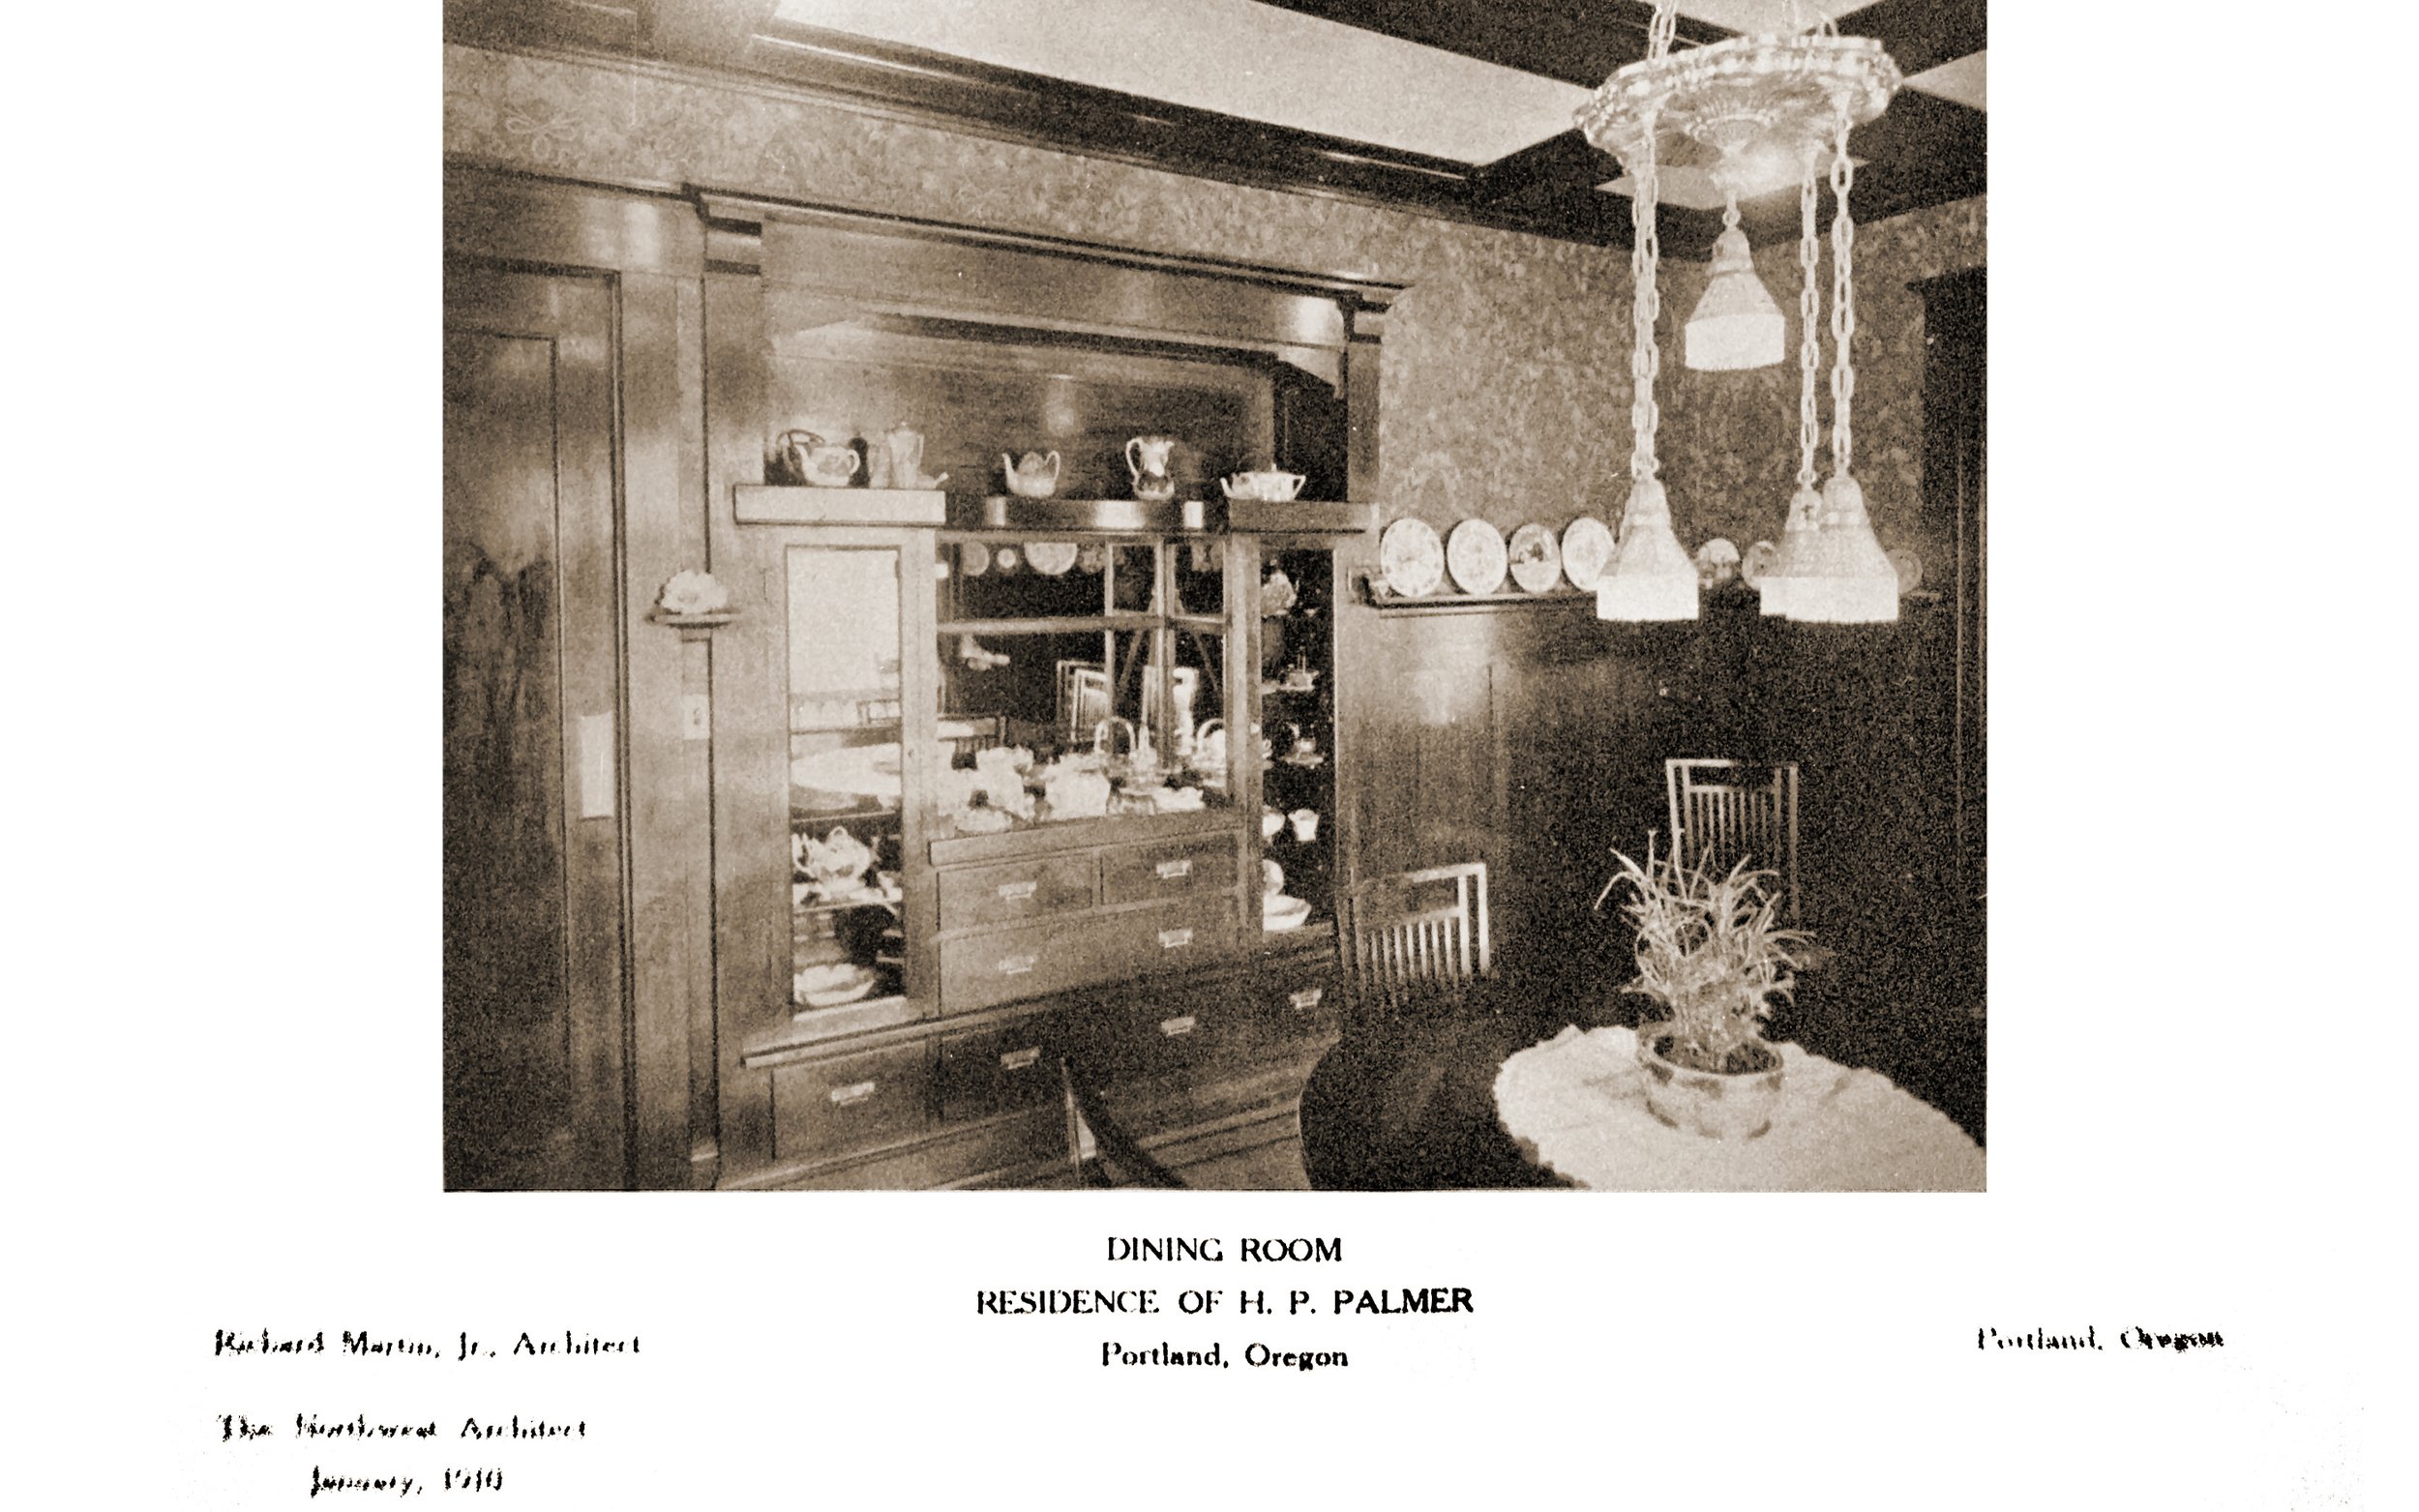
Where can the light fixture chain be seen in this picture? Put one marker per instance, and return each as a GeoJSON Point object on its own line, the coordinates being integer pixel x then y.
{"type": "Point", "coordinates": [1644, 362]}
{"type": "Point", "coordinates": [1842, 304]}
{"type": "Point", "coordinates": [1660, 30]}
{"type": "Point", "coordinates": [1809, 324]}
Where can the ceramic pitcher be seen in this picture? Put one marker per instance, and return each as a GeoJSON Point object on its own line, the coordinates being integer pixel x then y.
{"type": "Point", "coordinates": [1147, 458]}
{"type": "Point", "coordinates": [902, 449]}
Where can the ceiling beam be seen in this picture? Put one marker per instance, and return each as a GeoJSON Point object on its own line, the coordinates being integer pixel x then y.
{"type": "Point", "coordinates": [1922, 34]}
{"type": "Point", "coordinates": [1923, 151]}
{"type": "Point", "coordinates": [1575, 42]}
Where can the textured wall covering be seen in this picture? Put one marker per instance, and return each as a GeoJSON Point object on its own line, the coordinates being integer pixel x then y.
{"type": "Point", "coordinates": [1507, 388]}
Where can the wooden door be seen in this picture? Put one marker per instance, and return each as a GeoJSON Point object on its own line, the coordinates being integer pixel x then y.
{"type": "Point", "coordinates": [533, 834]}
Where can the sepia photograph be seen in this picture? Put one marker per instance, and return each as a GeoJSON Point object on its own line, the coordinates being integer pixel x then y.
{"type": "Point", "coordinates": [1235, 596]}
{"type": "Point", "coordinates": [1330, 658]}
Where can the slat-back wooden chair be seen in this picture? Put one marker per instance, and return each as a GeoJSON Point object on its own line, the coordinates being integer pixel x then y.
{"type": "Point", "coordinates": [1414, 936]}
{"type": "Point", "coordinates": [1723, 811]}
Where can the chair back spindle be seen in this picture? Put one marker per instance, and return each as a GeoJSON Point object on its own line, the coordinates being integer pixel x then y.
{"type": "Point", "coordinates": [1403, 940]}
{"type": "Point", "coordinates": [1724, 810]}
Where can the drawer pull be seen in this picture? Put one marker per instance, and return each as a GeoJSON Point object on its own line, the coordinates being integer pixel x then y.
{"type": "Point", "coordinates": [1180, 1026]}
{"type": "Point", "coordinates": [1306, 999]}
{"type": "Point", "coordinates": [1018, 965]}
{"type": "Point", "coordinates": [1174, 939]}
{"type": "Point", "coordinates": [1019, 1059]}
{"type": "Point", "coordinates": [853, 1092]}
{"type": "Point", "coordinates": [1170, 871]}
{"type": "Point", "coordinates": [1018, 892]}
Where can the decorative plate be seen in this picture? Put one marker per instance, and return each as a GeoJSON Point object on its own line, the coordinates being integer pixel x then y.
{"type": "Point", "coordinates": [1587, 548]}
{"type": "Point", "coordinates": [1005, 558]}
{"type": "Point", "coordinates": [1758, 561]}
{"type": "Point", "coordinates": [1272, 879]}
{"type": "Point", "coordinates": [1536, 559]}
{"type": "Point", "coordinates": [1411, 558]}
{"type": "Point", "coordinates": [1050, 558]}
{"type": "Point", "coordinates": [1475, 555]}
{"type": "Point", "coordinates": [974, 559]}
{"type": "Point", "coordinates": [1909, 567]}
{"type": "Point", "coordinates": [1717, 562]}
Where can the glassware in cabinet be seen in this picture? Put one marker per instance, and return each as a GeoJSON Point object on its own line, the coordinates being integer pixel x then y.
{"type": "Point", "coordinates": [1085, 679]}
{"type": "Point", "coordinates": [1297, 703]}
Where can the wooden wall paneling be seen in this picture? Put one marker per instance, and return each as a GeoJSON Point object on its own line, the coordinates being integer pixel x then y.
{"type": "Point", "coordinates": [750, 720]}
{"type": "Point", "coordinates": [1434, 790]}
{"type": "Point", "coordinates": [531, 887]}
{"type": "Point", "coordinates": [591, 618]}
{"type": "Point", "coordinates": [517, 217]}
{"type": "Point", "coordinates": [1059, 287]}
{"type": "Point", "coordinates": [671, 858]}
{"type": "Point", "coordinates": [1360, 390]}
{"type": "Point", "coordinates": [697, 838]}
{"type": "Point", "coordinates": [643, 1061]}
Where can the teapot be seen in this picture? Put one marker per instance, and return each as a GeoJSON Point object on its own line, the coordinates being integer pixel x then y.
{"type": "Point", "coordinates": [900, 460]}
{"type": "Point", "coordinates": [812, 460]}
{"type": "Point", "coordinates": [1033, 476]}
{"type": "Point", "coordinates": [1268, 485]}
{"type": "Point", "coordinates": [1147, 458]}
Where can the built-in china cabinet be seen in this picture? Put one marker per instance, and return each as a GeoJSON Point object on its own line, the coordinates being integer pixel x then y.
{"type": "Point", "coordinates": [1012, 734]}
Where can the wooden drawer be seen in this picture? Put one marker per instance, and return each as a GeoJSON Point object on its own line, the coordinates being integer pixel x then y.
{"type": "Point", "coordinates": [1014, 890]}
{"type": "Point", "coordinates": [992, 1071]}
{"type": "Point", "coordinates": [1034, 960]}
{"type": "Point", "coordinates": [1037, 960]}
{"type": "Point", "coordinates": [1207, 1029]}
{"type": "Point", "coordinates": [1180, 938]}
{"type": "Point", "coordinates": [830, 1107]}
{"type": "Point", "coordinates": [1304, 1002]}
{"type": "Point", "coordinates": [1149, 1029]}
{"type": "Point", "coordinates": [1172, 869]}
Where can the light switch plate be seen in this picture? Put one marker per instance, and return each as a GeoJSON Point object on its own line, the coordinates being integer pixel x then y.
{"type": "Point", "coordinates": [596, 766]}
{"type": "Point", "coordinates": [695, 716]}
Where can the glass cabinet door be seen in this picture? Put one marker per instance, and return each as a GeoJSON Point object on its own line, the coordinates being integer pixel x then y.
{"type": "Point", "coordinates": [847, 774]}
{"type": "Point", "coordinates": [1297, 702]}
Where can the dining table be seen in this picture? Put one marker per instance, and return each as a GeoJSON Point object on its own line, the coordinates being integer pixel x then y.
{"type": "Point", "coordinates": [1533, 1082]}
{"type": "Point", "coordinates": [1576, 1106]}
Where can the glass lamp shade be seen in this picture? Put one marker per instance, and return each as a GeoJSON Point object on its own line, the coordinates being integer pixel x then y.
{"type": "Point", "coordinates": [1848, 580]}
{"type": "Point", "coordinates": [1652, 577]}
{"type": "Point", "coordinates": [1736, 325]}
{"type": "Point", "coordinates": [1780, 582]}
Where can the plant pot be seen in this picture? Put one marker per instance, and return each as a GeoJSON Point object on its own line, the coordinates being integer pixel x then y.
{"type": "Point", "coordinates": [1732, 1105]}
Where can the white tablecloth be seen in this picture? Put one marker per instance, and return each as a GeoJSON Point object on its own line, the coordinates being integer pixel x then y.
{"type": "Point", "coordinates": [1575, 1104]}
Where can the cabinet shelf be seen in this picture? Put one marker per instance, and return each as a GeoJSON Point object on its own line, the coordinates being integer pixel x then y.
{"type": "Point", "coordinates": [845, 905]}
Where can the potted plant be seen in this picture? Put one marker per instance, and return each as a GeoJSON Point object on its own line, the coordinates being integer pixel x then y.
{"type": "Point", "coordinates": [1714, 956]}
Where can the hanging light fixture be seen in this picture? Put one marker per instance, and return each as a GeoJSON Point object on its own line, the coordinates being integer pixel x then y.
{"type": "Point", "coordinates": [1719, 108]}
{"type": "Point", "coordinates": [1805, 507]}
{"type": "Point", "coordinates": [1736, 325]}
{"type": "Point", "coordinates": [1651, 576]}
{"type": "Point", "coordinates": [1848, 580]}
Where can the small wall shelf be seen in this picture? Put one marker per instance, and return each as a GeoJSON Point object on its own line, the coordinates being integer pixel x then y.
{"type": "Point", "coordinates": [1388, 602]}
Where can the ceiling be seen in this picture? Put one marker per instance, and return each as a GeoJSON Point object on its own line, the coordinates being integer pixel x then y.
{"type": "Point", "coordinates": [1460, 108]}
